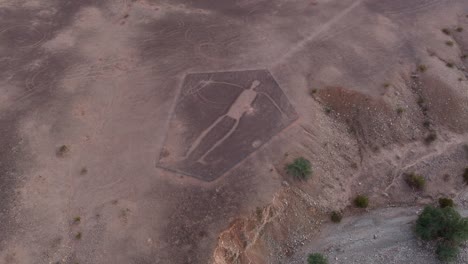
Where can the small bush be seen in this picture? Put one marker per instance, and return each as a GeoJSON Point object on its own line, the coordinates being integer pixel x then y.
{"type": "Point", "coordinates": [78, 236]}
{"type": "Point", "coordinates": [76, 220]}
{"type": "Point", "coordinates": [465, 175]}
{"type": "Point", "coordinates": [415, 181]}
{"type": "Point", "coordinates": [299, 168]}
{"type": "Point", "coordinates": [327, 109]}
{"type": "Point", "coordinates": [336, 217]}
{"type": "Point", "coordinates": [317, 258]}
{"type": "Point", "coordinates": [427, 123]}
{"type": "Point", "coordinates": [446, 31]}
{"type": "Point", "coordinates": [422, 68]}
{"type": "Point", "coordinates": [62, 151]}
{"type": "Point", "coordinates": [386, 85]}
{"type": "Point", "coordinates": [420, 102]}
{"type": "Point", "coordinates": [445, 202]}
{"type": "Point", "coordinates": [459, 29]}
{"type": "Point", "coordinates": [447, 251]}
{"type": "Point", "coordinates": [400, 110]}
{"type": "Point", "coordinates": [313, 91]}
{"type": "Point", "coordinates": [83, 171]}
{"type": "Point", "coordinates": [449, 64]}
{"type": "Point", "coordinates": [430, 138]}
{"type": "Point", "coordinates": [361, 201]}
{"type": "Point", "coordinates": [449, 43]}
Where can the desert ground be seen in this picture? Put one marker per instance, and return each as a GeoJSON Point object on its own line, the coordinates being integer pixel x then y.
{"type": "Point", "coordinates": [157, 131]}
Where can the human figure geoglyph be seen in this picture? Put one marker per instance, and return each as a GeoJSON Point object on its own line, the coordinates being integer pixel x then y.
{"type": "Point", "coordinates": [241, 106]}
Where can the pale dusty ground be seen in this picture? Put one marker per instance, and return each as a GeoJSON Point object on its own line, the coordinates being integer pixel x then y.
{"type": "Point", "coordinates": [102, 77]}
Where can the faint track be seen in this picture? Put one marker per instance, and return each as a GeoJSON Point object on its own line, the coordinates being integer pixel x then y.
{"type": "Point", "coordinates": [324, 28]}
{"type": "Point", "coordinates": [403, 7]}
{"type": "Point", "coordinates": [38, 37]}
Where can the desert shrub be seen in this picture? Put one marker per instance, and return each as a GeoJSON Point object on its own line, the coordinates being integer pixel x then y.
{"type": "Point", "coordinates": [449, 43]}
{"type": "Point", "coordinates": [449, 64]}
{"type": "Point", "coordinates": [422, 68]}
{"type": "Point", "coordinates": [400, 110]}
{"type": "Point", "coordinates": [415, 181]}
{"type": "Point", "coordinates": [299, 168]}
{"type": "Point", "coordinates": [443, 224]}
{"type": "Point", "coordinates": [317, 258]}
{"type": "Point", "coordinates": [465, 175]}
{"type": "Point", "coordinates": [62, 151]}
{"type": "Point", "coordinates": [430, 138]}
{"type": "Point", "coordinates": [445, 202]}
{"type": "Point", "coordinates": [446, 31]}
{"type": "Point", "coordinates": [336, 217]}
{"type": "Point", "coordinates": [447, 251]}
{"type": "Point", "coordinates": [459, 29]}
{"type": "Point", "coordinates": [361, 201]}
{"type": "Point", "coordinates": [427, 123]}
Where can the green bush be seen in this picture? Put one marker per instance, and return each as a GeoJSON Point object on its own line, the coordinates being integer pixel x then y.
{"type": "Point", "coordinates": [447, 251]}
{"type": "Point", "coordinates": [445, 202]}
{"type": "Point", "coordinates": [317, 258]}
{"type": "Point", "coordinates": [361, 201]}
{"type": "Point", "coordinates": [299, 168]}
{"type": "Point", "coordinates": [336, 217]}
{"type": "Point", "coordinates": [415, 181]}
{"type": "Point", "coordinates": [443, 223]}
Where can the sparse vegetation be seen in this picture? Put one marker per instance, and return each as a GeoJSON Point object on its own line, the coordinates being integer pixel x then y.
{"type": "Point", "coordinates": [449, 43]}
{"type": "Point", "coordinates": [446, 226]}
{"type": "Point", "coordinates": [449, 64]}
{"type": "Point", "coordinates": [415, 181]}
{"type": "Point", "coordinates": [446, 31]}
{"type": "Point", "coordinates": [317, 258]}
{"type": "Point", "coordinates": [465, 175]}
{"type": "Point", "coordinates": [447, 251]}
{"type": "Point", "coordinates": [400, 110]}
{"type": "Point", "coordinates": [427, 123]}
{"type": "Point", "coordinates": [459, 29]}
{"type": "Point", "coordinates": [78, 235]}
{"type": "Point", "coordinates": [445, 202]}
{"type": "Point", "coordinates": [336, 217]}
{"type": "Point", "coordinates": [420, 101]}
{"type": "Point", "coordinates": [83, 171]}
{"type": "Point", "coordinates": [76, 220]}
{"type": "Point", "coordinates": [62, 151]}
{"type": "Point", "coordinates": [422, 68]}
{"type": "Point", "coordinates": [386, 85]}
{"type": "Point", "coordinates": [299, 168]}
{"type": "Point", "coordinates": [361, 201]}
{"type": "Point", "coordinates": [430, 138]}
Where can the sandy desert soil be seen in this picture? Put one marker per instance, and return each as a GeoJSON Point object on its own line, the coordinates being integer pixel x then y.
{"type": "Point", "coordinates": [372, 83]}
